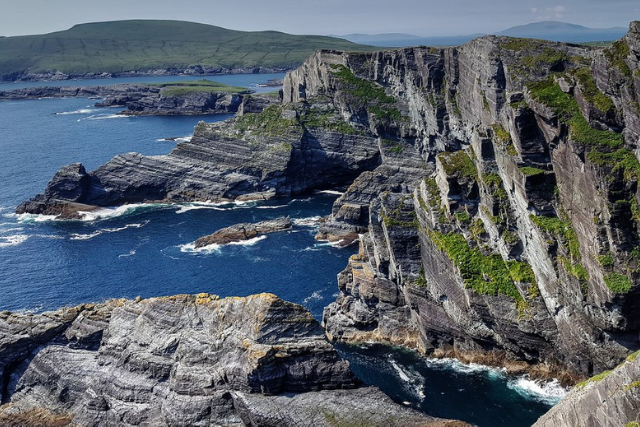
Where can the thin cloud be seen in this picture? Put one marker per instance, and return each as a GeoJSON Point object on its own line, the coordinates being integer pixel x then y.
{"type": "Point", "coordinates": [548, 13]}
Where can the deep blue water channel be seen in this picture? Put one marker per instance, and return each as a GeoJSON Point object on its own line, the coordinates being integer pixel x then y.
{"type": "Point", "coordinates": [147, 250]}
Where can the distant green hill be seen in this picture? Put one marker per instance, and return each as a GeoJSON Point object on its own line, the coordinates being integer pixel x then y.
{"type": "Point", "coordinates": [137, 45]}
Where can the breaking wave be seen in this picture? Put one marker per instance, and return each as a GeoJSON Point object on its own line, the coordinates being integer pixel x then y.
{"type": "Point", "coordinates": [549, 392]}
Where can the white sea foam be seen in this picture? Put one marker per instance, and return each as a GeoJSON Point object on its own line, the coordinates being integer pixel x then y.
{"type": "Point", "coordinates": [80, 111]}
{"type": "Point", "coordinates": [412, 380]}
{"type": "Point", "coordinates": [549, 392]}
{"type": "Point", "coordinates": [465, 368]}
{"type": "Point", "coordinates": [249, 242]}
{"type": "Point", "coordinates": [29, 218]}
{"type": "Point", "coordinates": [190, 248]}
{"type": "Point", "coordinates": [10, 230]}
{"type": "Point", "coordinates": [217, 206]}
{"type": "Point", "coordinates": [31, 310]}
{"type": "Point", "coordinates": [106, 116]}
{"type": "Point", "coordinates": [132, 252]}
{"type": "Point", "coordinates": [311, 221]}
{"type": "Point", "coordinates": [332, 192]}
{"type": "Point", "coordinates": [216, 248]}
{"type": "Point", "coordinates": [178, 139]}
{"type": "Point", "coordinates": [13, 240]}
{"type": "Point", "coordinates": [316, 296]}
{"type": "Point", "coordinates": [96, 233]}
{"type": "Point", "coordinates": [272, 207]}
{"type": "Point", "coordinates": [105, 213]}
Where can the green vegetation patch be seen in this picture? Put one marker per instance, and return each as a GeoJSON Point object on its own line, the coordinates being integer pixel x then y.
{"type": "Point", "coordinates": [197, 86]}
{"type": "Point", "coordinates": [501, 133]}
{"type": "Point", "coordinates": [633, 356]}
{"type": "Point", "coordinates": [367, 94]}
{"type": "Point", "coordinates": [618, 283]}
{"type": "Point", "coordinates": [565, 106]}
{"type": "Point", "coordinates": [530, 171]}
{"type": "Point", "coordinates": [607, 148]}
{"type": "Point", "coordinates": [459, 163]}
{"type": "Point", "coordinates": [326, 119]}
{"type": "Point", "coordinates": [591, 92]}
{"type": "Point", "coordinates": [594, 379]}
{"type": "Point", "coordinates": [270, 122]}
{"type": "Point", "coordinates": [564, 232]}
{"type": "Point", "coordinates": [485, 274]}
{"type": "Point", "coordinates": [118, 46]}
{"type": "Point", "coordinates": [617, 53]}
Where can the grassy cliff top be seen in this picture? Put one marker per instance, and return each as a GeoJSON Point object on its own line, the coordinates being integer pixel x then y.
{"type": "Point", "coordinates": [120, 46]}
{"type": "Point", "coordinates": [203, 85]}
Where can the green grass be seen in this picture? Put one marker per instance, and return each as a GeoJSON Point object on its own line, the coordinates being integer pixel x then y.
{"type": "Point", "coordinates": [485, 274]}
{"type": "Point", "coordinates": [326, 119]}
{"type": "Point", "coordinates": [197, 86]}
{"type": "Point", "coordinates": [617, 54]}
{"type": "Point", "coordinates": [501, 134]}
{"type": "Point", "coordinates": [365, 93]}
{"type": "Point", "coordinates": [594, 379]}
{"type": "Point", "coordinates": [459, 163]}
{"type": "Point", "coordinates": [269, 122]}
{"type": "Point", "coordinates": [591, 91]}
{"type": "Point", "coordinates": [618, 283]}
{"type": "Point", "coordinates": [565, 106]}
{"type": "Point", "coordinates": [530, 171]}
{"type": "Point", "coordinates": [119, 46]}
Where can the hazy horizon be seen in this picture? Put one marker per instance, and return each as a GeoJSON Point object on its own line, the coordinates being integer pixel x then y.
{"type": "Point", "coordinates": [417, 17]}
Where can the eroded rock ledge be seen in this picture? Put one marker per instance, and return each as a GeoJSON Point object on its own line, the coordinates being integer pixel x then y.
{"type": "Point", "coordinates": [183, 360]}
{"type": "Point", "coordinates": [244, 231]}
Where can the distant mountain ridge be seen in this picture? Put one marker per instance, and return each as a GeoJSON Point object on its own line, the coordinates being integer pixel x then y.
{"type": "Point", "coordinates": [544, 30]}
{"type": "Point", "coordinates": [143, 46]}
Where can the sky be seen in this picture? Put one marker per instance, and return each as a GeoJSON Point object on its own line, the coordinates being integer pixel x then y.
{"type": "Point", "coordinates": [336, 17]}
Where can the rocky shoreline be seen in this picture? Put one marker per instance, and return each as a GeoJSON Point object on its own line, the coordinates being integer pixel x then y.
{"type": "Point", "coordinates": [195, 71]}
{"type": "Point", "coordinates": [184, 360]}
{"type": "Point", "coordinates": [151, 100]}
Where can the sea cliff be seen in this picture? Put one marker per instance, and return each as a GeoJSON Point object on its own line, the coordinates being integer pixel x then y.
{"type": "Point", "coordinates": [494, 186]}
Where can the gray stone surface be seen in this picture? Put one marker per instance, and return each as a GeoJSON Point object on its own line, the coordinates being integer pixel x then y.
{"type": "Point", "coordinates": [244, 231]}
{"type": "Point", "coordinates": [182, 360]}
{"type": "Point", "coordinates": [609, 399]}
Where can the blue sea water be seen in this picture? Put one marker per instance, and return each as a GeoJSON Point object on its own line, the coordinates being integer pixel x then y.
{"type": "Point", "coordinates": [147, 250]}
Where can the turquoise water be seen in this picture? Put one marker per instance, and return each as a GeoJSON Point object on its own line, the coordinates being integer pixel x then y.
{"type": "Point", "coordinates": [147, 250]}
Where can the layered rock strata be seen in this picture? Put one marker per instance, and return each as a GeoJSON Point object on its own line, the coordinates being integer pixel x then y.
{"type": "Point", "coordinates": [611, 398]}
{"type": "Point", "coordinates": [244, 231]}
{"type": "Point", "coordinates": [183, 360]}
{"type": "Point", "coordinates": [494, 185]}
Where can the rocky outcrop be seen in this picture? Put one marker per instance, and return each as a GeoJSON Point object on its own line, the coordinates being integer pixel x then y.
{"type": "Point", "coordinates": [167, 104]}
{"type": "Point", "coordinates": [144, 100]}
{"type": "Point", "coordinates": [611, 398]}
{"type": "Point", "coordinates": [183, 360]}
{"type": "Point", "coordinates": [244, 231]}
{"type": "Point", "coordinates": [274, 153]}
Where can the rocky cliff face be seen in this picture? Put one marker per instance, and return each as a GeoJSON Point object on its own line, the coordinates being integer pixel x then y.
{"type": "Point", "coordinates": [504, 226]}
{"type": "Point", "coordinates": [494, 185]}
{"type": "Point", "coordinates": [611, 398]}
{"type": "Point", "coordinates": [183, 360]}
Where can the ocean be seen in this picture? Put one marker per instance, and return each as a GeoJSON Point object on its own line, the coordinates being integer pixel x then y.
{"type": "Point", "coordinates": [147, 250]}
